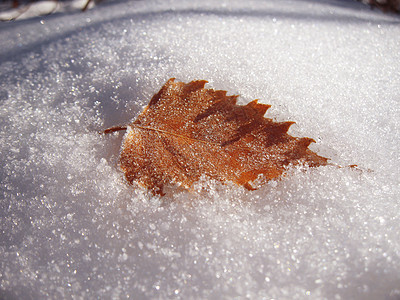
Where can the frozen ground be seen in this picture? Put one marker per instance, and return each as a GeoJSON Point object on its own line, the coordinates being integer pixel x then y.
{"type": "Point", "coordinates": [71, 227]}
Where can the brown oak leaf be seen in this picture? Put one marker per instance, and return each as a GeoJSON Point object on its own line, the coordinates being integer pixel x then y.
{"type": "Point", "coordinates": [187, 131]}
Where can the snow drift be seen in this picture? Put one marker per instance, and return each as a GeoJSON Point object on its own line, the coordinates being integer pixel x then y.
{"type": "Point", "coordinates": [72, 228]}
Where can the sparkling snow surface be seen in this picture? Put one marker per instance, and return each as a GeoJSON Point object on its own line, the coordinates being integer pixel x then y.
{"type": "Point", "coordinates": [71, 227]}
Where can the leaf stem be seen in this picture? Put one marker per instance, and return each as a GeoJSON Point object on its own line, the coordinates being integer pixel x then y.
{"type": "Point", "coordinates": [113, 129]}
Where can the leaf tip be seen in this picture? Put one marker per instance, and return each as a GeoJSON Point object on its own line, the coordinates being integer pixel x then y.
{"type": "Point", "coordinates": [284, 126]}
{"type": "Point", "coordinates": [193, 86]}
{"type": "Point", "coordinates": [259, 107]}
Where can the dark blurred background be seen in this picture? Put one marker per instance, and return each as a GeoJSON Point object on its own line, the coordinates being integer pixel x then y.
{"type": "Point", "coordinates": [18, 7]}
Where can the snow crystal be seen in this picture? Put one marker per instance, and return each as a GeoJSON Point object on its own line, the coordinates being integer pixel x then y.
{"type": "Point", "coordinates": [72, 228]}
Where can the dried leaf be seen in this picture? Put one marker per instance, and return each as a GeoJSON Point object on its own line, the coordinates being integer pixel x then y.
{"type": "Point", "coordinates": [187, 131]}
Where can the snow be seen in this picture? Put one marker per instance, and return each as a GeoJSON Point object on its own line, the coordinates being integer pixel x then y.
{"type": "Point", "coordinates": [71, 227]}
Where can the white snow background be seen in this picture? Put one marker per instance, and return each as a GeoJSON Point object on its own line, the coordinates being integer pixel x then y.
{"type": "Point", "coordinates": [72, 228]}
